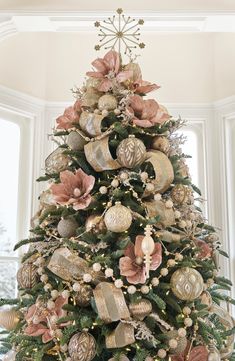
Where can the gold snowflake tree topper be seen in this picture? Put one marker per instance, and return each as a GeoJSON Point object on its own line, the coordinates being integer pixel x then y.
{"type": "Point", "coordinates": [119, 31]}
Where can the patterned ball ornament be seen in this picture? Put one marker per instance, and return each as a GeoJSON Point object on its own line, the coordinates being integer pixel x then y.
{"type": "Point", "coordinates": [179, 194]}
{"type": "Point", "coordinates": [131, 152]}
{"type": "Point", "coordinates": [118, 218]}
{"type": "Point", "coordinates": [83, 297]}
{"type": "Point", "coordinates": [75, 141]}
{"type": "Point", "coordinates": [187, 284]}
{"type": "Point", "coordinates": [107, 102]}
{"type": "Point", "coordinates": [67, 227]}
{"type": "Point", "coordinates": [9, 319]}
{"type": "Point", "coordinates": [82, 347]}
{"type": "Point", "coordinates": [27, 276]}
{"type": "Point", "coordinates": [141, 309]}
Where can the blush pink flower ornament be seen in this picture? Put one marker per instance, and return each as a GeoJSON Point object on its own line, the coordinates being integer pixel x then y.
{"type": "Point", "coordinates": [146, 113]}
{"type": "Point", "coordinates": [74, 189]}
{"type": "Point", "coordinates": [137, 84]}
{"type": "Point", "coordinates": [132, 265]}
{"type": "Point", "coordinates": [204, 249]}
{"type": "Point", "coordinates": [38, 319]}
{"type": "Point", "coordinates": [109, 69]}
{"type": "Point", "coordinates": [70, 117]}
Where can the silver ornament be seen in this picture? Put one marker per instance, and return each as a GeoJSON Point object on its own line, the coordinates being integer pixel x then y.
{"type": "Point", "coordinates": [82, 347]}
{"type": "Point", "coordinates": [75, 141]}
{"type": "Point", "coordinates": [108, 102]}
{"type": "Point", "coordinates": [57, 161]}
{"type": "Point", "coordinates": [187, 284]}
{"type": "Point", "coordinates": [118, 218]}
{"type": "Point", "coordinates": [67, 227]}
{"type": "Point", "coordinates": [131, 152]}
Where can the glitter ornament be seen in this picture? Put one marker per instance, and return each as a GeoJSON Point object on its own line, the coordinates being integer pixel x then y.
{"type": "Point", "coordinates": [75, 141]}
{"type": "Point", "coordinates": [131, 152]}
{"type": "Point", "coordinates": [27, 276]}
{"type": "Point", "coordinates": [179, 194]}
{"type": "Point", "coordinates": [107, 102]}
{"type": "Point", "coordinates": [118, 218]}
{"type": "Point", "coordinates": [161, 143]}
{"type": "Point", "coordinates": [67, 227]}
{"type": "Point", "coordinates": [82, 347]}
{"type": "Point", "coordinates": [90, 98]}
{"type": "Point", "coordinates": [83, 297]}
{"type": "Point", "coordinates": [187, 284]}
{"type": "Point", "coordinates": [56, 162]}
{"type": "Point", "coordinates": [9, 319]}
{"type": "Point", "coordinates": [139, 310]}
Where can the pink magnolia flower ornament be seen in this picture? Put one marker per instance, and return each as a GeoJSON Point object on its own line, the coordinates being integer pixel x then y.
{"type": "Point", "coordinates": [38, 319]}
{"type": "Point", "coordinates": [205, 251]}
{"type": "Point", "coordinates": [74, 189]}
{"type": "Point", "coordinates": [108, 69]}
{"type": "Point", "coordinates": [137, 84]}
{"type": "Point", "coordinates": [70, 116]}
{"type": "Point", "coordinates": [132, 265]}
{"type": "Point", "coordinates": [197, 353]}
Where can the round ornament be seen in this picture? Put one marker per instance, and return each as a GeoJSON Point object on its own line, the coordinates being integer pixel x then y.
{"type": "Point", "coordinates": [9, 319]}
{"type": "Point", "coordinates": [158, 208]}
{"type": "Point", "coordinates": [141, 309]}
{"type": "Point", "coordinates": [83, 297]}
{"type": "Point", "coordinates": [187, 284]}
{"type": "Point", "coordinates": [75, 141]}
{"type": "Point", "coordinates": [56, 162]}
{"type": "Point", "coordinates": [131, 152]}
{"type": "Point", "coordinates": [179, 194]}
{"type": "Point", "coordinates": [107, 102]}
{"type": "Point", "coordinates": [118, 218]}
{"type": "Point", "coordinates": [67, 227]}
{"type": "Point", "coordinates": [181, 342]}
{"type": "Point", "coordinates": [95, 223]}
{"type": "Point", "coordinates": [90, 97]}
{"type": "Point", "coordinates": [161, 143]}
{"type": "Point", "coordinates": [82, 347]}
{"type": "Point", "coordinates": [92, 82]}
{"type": "Point", "coordinates": [164, 173]}
{"type": "Point", "coordinates": [27, 276]}
{"type": "Point", "coordinates": [9, 356]}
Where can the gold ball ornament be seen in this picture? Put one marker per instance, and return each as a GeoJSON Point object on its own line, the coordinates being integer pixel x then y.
{"type": "Point", "coordinates": [9, 319]}
{"type": "Point", "coordinates": [107, 102]}
{"type": "Point", "coordinates": [67, 227]}
{"type": "Point", "coordinates": [179, 194]}
{"type": "Point", "coordinates": [93, 82]}
{"type": "Point", "coordinates": [91, 97]}
{"type": "Point", "coordinates": [161, 143]}
{"type": "Point", "coordinates": [75, 141]}
{"type": "Point", "coordinates": [27, 276]}
{"type": "Point", "coordinates": [82, 347]}
{"type": "Point", "coordinates": [95, 223]}
{"type": "Point", "coordinates": [83, 297]}
{"type": "Point", "coordinates": [131, 152]}
{"type": "Point", "coordinates": [118, 218]}
{"type": "Point", "coordinates": [181, 342]}
{"type": "Point", "coordinates": [141, 309]}
{"type": "Point", "coordinates": [187, 284]}
{"type": "Point", "coordinates": [57, 161]}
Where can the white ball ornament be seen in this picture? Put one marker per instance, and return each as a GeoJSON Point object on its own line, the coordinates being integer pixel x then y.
{"type": "Point", "coordinates": [187, 310]}
{"type": "Point", "coordinates": [169, 204]}
{"type": "Point", "coordinates": [150, 187]}
{"type": "Point", "coordinates": [65, 294]}
{"type": "Point", "coordinates": [164, 272]}
{"type": "Point", "coordinates": [171, 263]}
{"type": "Point", "coordinates": [131, 290]}
{"type": "Point", "coordinates": [188, 322]}
{"type": "Point", "coordinates": [54, 294]}
{"type": "Point", "coordinates": [144, 176]}
{"type": "Point", "coordinates": [182, 332]}
{"type": "Point", "coordinates": [118, 218]}
{"type": "Point", "coordinates": [123, 176]}
{"type": "Point", "coordinates": [157, 197]}
{"type": "Point", "coordinates": [115, 183]}
{"type": "Point", "coordinates": [87, 278]}
{"type": "Point", "coordinates": [173, 343]}
{"type": "Point", "coordinates": [108, 102]}
{"type": "Point", "coordinates": [108, 272]}
{"type": "Point", "coordinates": [44, 278]}
{"type": "Point", "coordinates": [144, 289]}
{"type": "Point", "coordinates": [47, 287]}
{"type": "Point", "coordinates": [76, 287]}
{"type": "Point", "coordinates": [118, 283]}
{"type": "Point", "coordinates": [182, 224]}
{"type": "Point", "coordinates": [162, 353]}
{"type": "Point", "coordinates": [96, 267]}
{"type": "Point", "coordinates": [103, 190]}
{"type": "Point", "coordinates": [155, 281]}
{"type": "Point", "coordinates": [179, 257]}
{"type": "Point", "coordinates": [177, 214]}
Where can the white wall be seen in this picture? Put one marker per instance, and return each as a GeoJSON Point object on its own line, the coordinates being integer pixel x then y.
{"type": "Point", "coordinates": [190, 67]}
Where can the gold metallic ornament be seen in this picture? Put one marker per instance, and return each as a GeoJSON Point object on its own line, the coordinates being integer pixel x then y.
{"type": "Point", "coordinates": [95, 223]}
{"type": "Point", "coordinates": [164, 173]}
{"type": "Point", "coordinates": [161, 143]}
{"type": "Point", "coordinates": [9, 318]}
{"type": "Point", "coordinates": [108, 102]}
{"type": "Point", "coordinates": [27, 276]}
{"type": "Point", "coordinates": [181, 342]}
{"type": "Point", "coordinates": [228, 322]}
{"type": "Point", "coordinates": [187, 284]}
{"type": "Point", "coordinates": [131, 152]}
{"type": "Point", "coordinates": [139, 310]}
{"type": "Point", "coordinates": [83, 297]}
{"type": "Point", "coordinates": [90, 97]}
{"type": "Point", "coordinates": [82, 347]}
{"type": "Point", "coordinates": [93, 82]}
{"type": "Point", "coordinates": [122, 336]}
{"type": "Point", "coordinates": [57, 161]}
{"type": "Point", "coordinates": [90, 123]}
{"type": "Point", "coordinates": [110, 303]}
{"type": "Point", "coordinates": [67, 227]}
{"type": "Point", "coordinates": [158, 208]}
{"type": "Point", "coordinates": [118, 218]}
{"type": "Point", "coordinates": [76, 141]}
{"type": "Point", "coordinates": [179, 194]}
{"type": "Point", "coordinates": [98, 155]}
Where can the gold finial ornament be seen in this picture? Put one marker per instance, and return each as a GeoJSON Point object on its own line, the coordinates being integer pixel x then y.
{"type": "Point", "coordinates": [119, 30]}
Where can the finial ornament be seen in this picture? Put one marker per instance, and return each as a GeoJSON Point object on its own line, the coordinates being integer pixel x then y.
{"type": "Point", "coordinates": [119, 31]}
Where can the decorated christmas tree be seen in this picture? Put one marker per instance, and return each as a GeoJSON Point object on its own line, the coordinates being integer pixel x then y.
{"type": "Point", "coordinates": [121, 263]}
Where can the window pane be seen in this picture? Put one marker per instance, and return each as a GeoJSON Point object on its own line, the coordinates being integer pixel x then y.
{"type": "Point", "coordinates": [8, 271]}
{"type": "Point", "coordinates": [9, 150]}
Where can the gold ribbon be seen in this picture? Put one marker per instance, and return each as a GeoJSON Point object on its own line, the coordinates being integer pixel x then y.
{"type": "Point", "coordinates": [122, 336]}
{"type": "Point", "coordinates": [91, 123]}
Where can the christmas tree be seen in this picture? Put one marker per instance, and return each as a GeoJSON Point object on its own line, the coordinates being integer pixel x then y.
{"type": "Point", "coordinates": [121, 263]}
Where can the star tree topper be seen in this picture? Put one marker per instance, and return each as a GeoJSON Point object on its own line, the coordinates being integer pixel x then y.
{"type": "Point", "coordinates": [118, 31]}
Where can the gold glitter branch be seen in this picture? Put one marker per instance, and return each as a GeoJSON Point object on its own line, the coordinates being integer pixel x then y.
{"type": "Point", "coordinates": [119, 31]}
